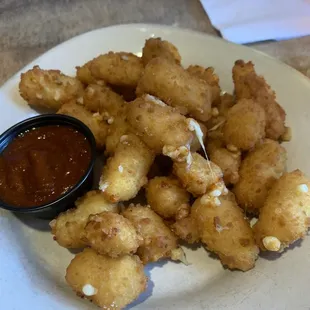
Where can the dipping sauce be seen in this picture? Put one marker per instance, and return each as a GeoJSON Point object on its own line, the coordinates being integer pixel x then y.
{"type": "Point", "coordinates": [42, 164]}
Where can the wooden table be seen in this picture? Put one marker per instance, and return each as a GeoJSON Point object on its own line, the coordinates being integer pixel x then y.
{"type": "Point", "coordinates": [28, 28]}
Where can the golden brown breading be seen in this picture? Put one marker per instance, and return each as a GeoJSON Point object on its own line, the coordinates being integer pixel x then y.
{"type": "Point", "coordinates": [68, 227]}
{"type": "Point", "coordinates": [48, 88]}
{"type": "Point", "coordinates": [199, 176]}
{"type": "Point", "coordinates": [208, 75]}
{"type": "Point", "coordinates": [94, 122]}
{"type": "Point", "coordinates": [122, 69]}
{"type": "Point", "coordinates": [248, 85]}
{"type": "Point", "coordinates": [245, 125]}
{"type": "Point", "coordinates": [84, 75]}
{"type": "Point", "coordinates": [110, 283]}
{"type": "Point", "coordinates": [258, 172]}
{"type": "Point", "coordinates": [167, 198]}
{"type": "Point", "coordinates": [186, 229]}
{"type": "Point", "coordinates": [176, 87]}
{"type": "Point", "coordinates": [105, 101]}
{"type": "Point", "coordinates": [157, 124]}
{"type": "Point", "coordinates": [125, 172]}
{"type": "Point", "coordinates": [228, 161]}
{"type": "Point", "coordinates": [159, 241]}
{"type": "Point", "coordinates": [111, 234]}
{"type": "Point", "coordinates": [284, 218]}
{"type": "Point", "coordinates": [225, 231]}
{"type": "Point", "coordinates": [156, 47]}
{"type": "Point", "coordinates": [117, 129]}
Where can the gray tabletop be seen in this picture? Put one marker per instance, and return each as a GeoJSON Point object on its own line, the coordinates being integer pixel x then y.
{"type": "Point", "coordinates": [30, 27]}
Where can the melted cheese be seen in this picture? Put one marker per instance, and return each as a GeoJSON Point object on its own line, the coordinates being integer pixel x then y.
{"type": "Point", "coordinates": [155, 100]}
{"type": "Point", "coordinates": [89, 290]}
{"type": "Point", "coordinates": [194, 126]}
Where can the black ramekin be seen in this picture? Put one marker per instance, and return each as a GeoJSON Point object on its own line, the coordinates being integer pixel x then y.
{"type": "Point", "coordinates": [52, 209]}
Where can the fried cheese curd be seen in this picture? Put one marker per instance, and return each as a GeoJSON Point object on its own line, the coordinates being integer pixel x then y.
{"type": "Point", "coordinates": [156, 47]}
{"type": "Point", "coordinates": [168, 198]}
{"type": "Point", "coordinates": [158, 240]}
{"type": "Point", "coordinates": [104, 100]}
{"type": "Point", "coordinates": [176, 87]}
{"type": "Point", "coordinates": [249, 85]}
{"type": "Point", "coordinates": [208, 75]}
{"type": "Point", "coordinates": [84, 74]}
{"type": "Point", "coordinates": [225, 231]}
{"type": "Point", "coordinates": [258, 172]}
{"type": "Point", "coordinates": [159, 125]}
{"type": "Point", "coordinates": [119, 128]}
{"type": "Point", "coordinates": [113, 110]}
{"type": "Point", "coordinates": [68, 227]}
{"type": "Point", "coordinates": [94, 121]}
{"type": "Point", "coordinates": [245, 125]}
{"type": "Point", "coordinates": [119, 69]}
{"type": "Point", "coordinates": [198, 175]}
{"type": "Point", "coordinates": [284, 217]}
{"type": "Point", "coordinates": [110, 283]}
{"type": "Point", "coordinates": [126, 171]}
{"type": "Point", "coordinates": [111, 234]}
{"type": "Point", "coordinates": [227, 159]}
{"type": "Point", "coordinates": [186, 229]}
{"type": "Point", "coordinates": [48, 88]}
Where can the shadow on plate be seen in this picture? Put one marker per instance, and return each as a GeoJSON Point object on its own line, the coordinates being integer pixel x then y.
{"type": "Point", "coordinates": [99, 163]}
{"type": "Point", "coordinates": [215, 257]}
{"type": "Point", "coordinates": [75, 251]}
{"type": "Point", "coordinates": [275, 255]}
{"type": "Point", "coordinates": [193, 247]}
{"type": "Point", "coordinates": [150, 285]}
{"type": "Point", "coordinates": [34, 223]}
{"type": "Point", "coordinates": [42, 110]}
{"type": "Point", "coordinates": [211, 254]}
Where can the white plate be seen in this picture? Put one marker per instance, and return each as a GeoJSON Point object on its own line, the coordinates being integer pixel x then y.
{"type": "Point", "coordinates": [33, 266]}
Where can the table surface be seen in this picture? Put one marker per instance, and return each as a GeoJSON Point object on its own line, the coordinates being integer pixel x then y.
{"type": "Point", "coordinates": [28, 28]}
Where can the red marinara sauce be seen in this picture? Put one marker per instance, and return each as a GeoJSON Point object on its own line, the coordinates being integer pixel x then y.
{"type": "Point", "coordinates": [42, 164]}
